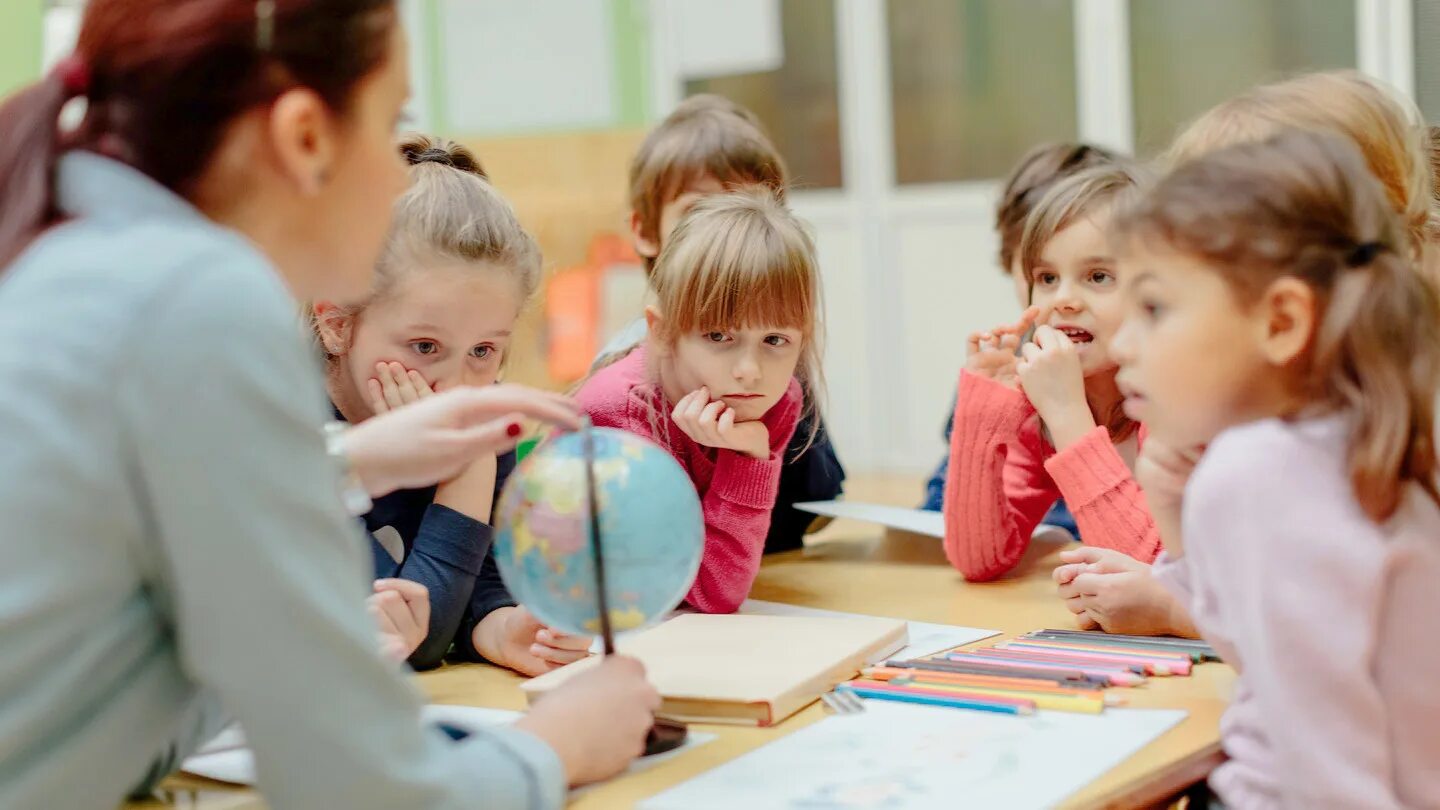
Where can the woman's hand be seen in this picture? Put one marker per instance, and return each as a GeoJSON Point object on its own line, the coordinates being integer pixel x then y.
{"type": "Point", "coordinates": [436, 437]}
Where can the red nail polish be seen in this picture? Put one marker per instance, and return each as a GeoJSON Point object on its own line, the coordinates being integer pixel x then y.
{"type": "Point", "coordinates": [513, 430]}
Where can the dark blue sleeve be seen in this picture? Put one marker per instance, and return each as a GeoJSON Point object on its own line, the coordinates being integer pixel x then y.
{"type": "Point", "coordinates": [810, 473]}
{"type": "Point", "coordinates": [935, 487]}
{"type": "Point", "coordinates": [490, 592]}
{"type": "Point", "coordinates": [446, 557]}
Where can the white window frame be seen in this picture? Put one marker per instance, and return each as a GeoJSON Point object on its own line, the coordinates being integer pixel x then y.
{"type": "Point", "coordinates": [871, 204]}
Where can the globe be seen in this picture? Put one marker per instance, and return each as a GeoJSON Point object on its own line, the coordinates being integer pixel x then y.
{"type": "Point", "coordinates": [651, 529]}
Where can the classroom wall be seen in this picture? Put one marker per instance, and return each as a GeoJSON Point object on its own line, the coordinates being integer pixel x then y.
{"type": "Point", "coordinates": [21, 24]}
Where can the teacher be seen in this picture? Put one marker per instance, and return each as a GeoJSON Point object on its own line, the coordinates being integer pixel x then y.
{"type": "Point", "coordinates": [173, 545]}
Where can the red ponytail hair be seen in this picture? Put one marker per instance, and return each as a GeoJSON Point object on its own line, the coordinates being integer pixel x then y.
{"type": "Point", "coordinates": [165, 80]}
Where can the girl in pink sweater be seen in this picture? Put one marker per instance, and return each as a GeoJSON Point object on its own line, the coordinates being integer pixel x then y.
{"type": "Point", "coordinates": [1042, 420]}
{"type": "Point", "coordinates": [733, 342]}
{"type": "Point", "coordinates": [1281, 322]}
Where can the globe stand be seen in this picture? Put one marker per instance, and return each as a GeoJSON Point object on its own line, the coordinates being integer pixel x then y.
{"type": "Point", "coordinates": [665, 735]}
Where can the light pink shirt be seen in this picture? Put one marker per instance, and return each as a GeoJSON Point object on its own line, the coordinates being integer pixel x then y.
{"type": "Point", "coordinates": [1328, 617]}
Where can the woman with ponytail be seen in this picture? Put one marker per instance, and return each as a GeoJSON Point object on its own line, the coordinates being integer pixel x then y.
{"type": "Point", "coordinates": [1278, 320]}
{"type": "Point", "coordinates": [177, 549]}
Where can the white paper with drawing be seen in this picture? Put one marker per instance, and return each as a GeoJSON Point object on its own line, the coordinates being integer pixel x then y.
{"type": "Point", "coordinates": [925, 638]}
{"type": "Point", "coordinates": [900, 757]}
{"type": "Point", "coordinates": [227, 758]}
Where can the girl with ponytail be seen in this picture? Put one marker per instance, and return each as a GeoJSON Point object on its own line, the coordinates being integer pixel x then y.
{"type": "Point", "coordinates": [177, 551]}
{"type": "Point", "coordinates": [1278, 320]}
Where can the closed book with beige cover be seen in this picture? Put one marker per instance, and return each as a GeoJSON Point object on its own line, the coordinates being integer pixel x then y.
{"type": "Point", "coordinates": [748, 670]}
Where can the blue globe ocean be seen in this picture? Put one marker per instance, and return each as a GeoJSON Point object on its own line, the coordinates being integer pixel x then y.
{"type": "Point", "coordinates": [650, 524]}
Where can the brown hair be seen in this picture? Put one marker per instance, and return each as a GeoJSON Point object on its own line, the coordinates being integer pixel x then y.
{"type": "Point", "coordinates": [741, 260]}
{"type": "Point", "coordinates": [164, 78]}
{"type": "Point", "coordinates": [1304, 205]}
{"type": "Point", "coordinates": [705, 135]}
{"type": "Point", "coordinates": [1386, 126]}
{"type": "Point", "coordinates": [451, 213]}
{"type": "Point", "coordinates": [1036, 172]}
{"type": "Point", "coordinates": [1084, 193]}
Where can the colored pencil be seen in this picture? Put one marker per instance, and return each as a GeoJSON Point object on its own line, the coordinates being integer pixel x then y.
{"type": "Point", "coordinates": [1132, 665]}
{"type": "Point", "coordinates": [1155, 663]}
{"type": "Point", "coordinates": [988, 681]}
{"type": "Point", "coordinates": [1199, 652]}
{"type": "Point", "coordinates": [976, 704]}
{"type": "Point", "coordinates": [1173, 641]}
{"type": "Point", "coordinates": [1001, 670]}
{"type": "Point", "coordinates": [1196, 654]}
{"type": "Point", "coordinates": [1091, 703]}
{"type": "Point", "coordinates": [1114, 676]}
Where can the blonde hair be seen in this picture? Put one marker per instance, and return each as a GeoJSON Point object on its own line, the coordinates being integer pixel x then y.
{"type": "Point", "coordinates": [1085, 193]}
{"type": "Point", "coordinates": [1303, 204]}
{"type": "Point", "coordinates": [706, 135]}
{"type": "Point", "coordinates": [1385, 125]}
{"type": "Point", "coordinates": [743, 260]}
{"type": "Point", "coordinates": [451, 213]}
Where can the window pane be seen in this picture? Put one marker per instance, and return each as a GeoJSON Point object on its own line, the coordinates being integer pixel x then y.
{"type": "Point", "coordinates": [975, 83]}
{"type": "Point", "coordinates": [799, 102]}
{"type": "Point", "coordinates": [1427, 58]}
{"type": "Point", "coordinates": [1186, 56]}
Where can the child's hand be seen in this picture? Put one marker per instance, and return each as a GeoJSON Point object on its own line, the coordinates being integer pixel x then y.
{"type": "Point", "coordinates": [1111, 591]}
{"type": "Point", "coordinates": [472, 492]}
{"type": "Point", "coordinates": [1054, 382]}
{"type": "Point", "coordinates": [514, 638]}
{"type": "Point", "coordinates": [394, 386]}
{"type": "Point", "coordinates": [713, 425]}
{"type": "Point", "coordinates": [1162, 472]}
{"type": "Point", "coordinates": [993, 354]}
{"type": "Point", "coordinates": [402, 610]}
{"type": "Point", "coordinates": [597, 721]}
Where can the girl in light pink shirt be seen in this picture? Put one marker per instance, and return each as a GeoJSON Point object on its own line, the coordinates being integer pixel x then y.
{"type": "Point", "coordinates": [1279, 321]}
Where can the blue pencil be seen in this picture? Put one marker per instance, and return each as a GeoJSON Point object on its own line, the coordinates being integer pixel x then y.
{"type": "Point", "coordinates": [928, 700]}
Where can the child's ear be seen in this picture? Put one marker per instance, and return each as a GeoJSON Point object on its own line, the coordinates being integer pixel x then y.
{"type": "Point", "coordinates": [335, 327]}
{"type": "Point", "coordinates": [654, 324]}
{"type": "Point", "coordinates": [645, 247]}
{"type": "Point", "coordinates": [1286, 320]}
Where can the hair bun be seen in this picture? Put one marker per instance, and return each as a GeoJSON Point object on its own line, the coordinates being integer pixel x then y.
{"type": "Point", "coordinates": [419, 149]}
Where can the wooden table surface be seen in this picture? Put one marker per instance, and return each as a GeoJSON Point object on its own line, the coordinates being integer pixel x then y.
{"type": "Point", "coordinates": [854, 567]}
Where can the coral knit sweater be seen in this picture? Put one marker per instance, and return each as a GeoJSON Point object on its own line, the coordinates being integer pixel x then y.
{"type": "Point", "coordinates": [1004, 476]}
{"type": "Point", "coordinates": [737, 492]}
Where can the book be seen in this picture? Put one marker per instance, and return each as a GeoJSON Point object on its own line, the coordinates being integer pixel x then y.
{"type": "Point", "coordinates": [746, 670]}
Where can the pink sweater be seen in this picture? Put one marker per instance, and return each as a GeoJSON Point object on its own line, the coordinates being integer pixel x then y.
{"type": "Point", "coordinates": [737, 492]}
{"type": "Point", "coordinates": [1004, 477]}
{"type": "Point", "coordinates": [1328, 617]}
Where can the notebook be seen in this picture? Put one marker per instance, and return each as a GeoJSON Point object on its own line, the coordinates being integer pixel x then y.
{"type": "Point", "coordinates": [746, 670]}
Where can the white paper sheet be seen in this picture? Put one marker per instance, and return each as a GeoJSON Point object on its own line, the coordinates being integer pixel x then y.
{"type": "Point", "coordinates": [917, 521]}
{"type": "Point", "coordinates": [925, 638]}
{"type": "Point", "coordinates": [898, 757]}
{"type": "Point", "coordinates": [227, 759]}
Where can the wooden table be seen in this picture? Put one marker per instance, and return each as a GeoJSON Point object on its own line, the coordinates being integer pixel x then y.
{"type": "Point", "coordinates": [852, 567]}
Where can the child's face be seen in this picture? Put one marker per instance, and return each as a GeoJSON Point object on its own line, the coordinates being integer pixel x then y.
{"type": "Point", "coordinates": [747, 369]}
{"type": "Point", "coordinates": [1076, 281]}
{"type": "Point", "coordinates": [1191, 363]}
{"type": "Point", "coordinates": [672, 212]}
{"type": "Point", "coordinates": [451, 323]}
